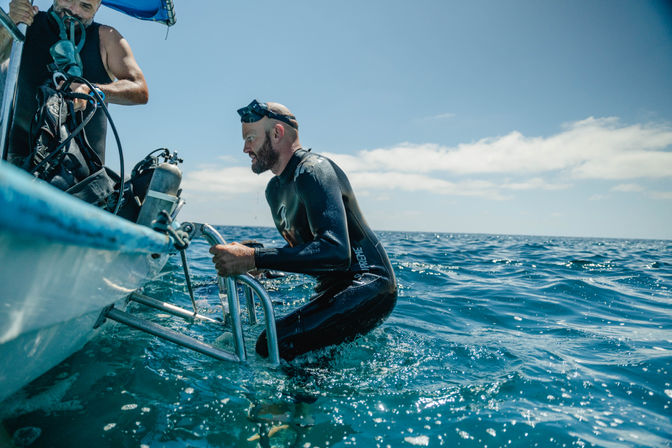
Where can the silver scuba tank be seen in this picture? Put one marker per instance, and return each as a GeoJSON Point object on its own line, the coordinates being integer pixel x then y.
{"type": "Point", "coordinates": [162, 193]}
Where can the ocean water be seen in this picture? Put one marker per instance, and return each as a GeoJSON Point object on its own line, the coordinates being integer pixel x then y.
{"type": "Point", "coordinates": [497, 341]}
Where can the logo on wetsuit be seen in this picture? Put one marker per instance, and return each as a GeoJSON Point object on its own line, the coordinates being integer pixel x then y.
{"type": "Point", "coordinates": [285, 231]}
{"type": "Point", "coordinates": [361, 258]}
{"type": "Point", "coordinates": [282, 211]}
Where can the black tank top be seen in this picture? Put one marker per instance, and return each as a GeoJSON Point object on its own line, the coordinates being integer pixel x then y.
{"type": "Point", "coordinates": [40, 36]}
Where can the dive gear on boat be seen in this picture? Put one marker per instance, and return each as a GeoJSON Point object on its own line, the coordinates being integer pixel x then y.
{"type": "Point", "coordinates": [65, 52]}
{"type": "Point", "coordinates": [61, 153]}
{"type": "Point", "coordinates": [164, 189]}
{"type": "Point", "coordinates": [35, 71]}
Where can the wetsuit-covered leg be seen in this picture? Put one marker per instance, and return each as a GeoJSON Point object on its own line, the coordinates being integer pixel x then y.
{"type": "Point", "coordinates": [335, 315]}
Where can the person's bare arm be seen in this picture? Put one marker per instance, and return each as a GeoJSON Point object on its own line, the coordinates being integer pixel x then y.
{"type": "Point", "coordinates": [129, 85]}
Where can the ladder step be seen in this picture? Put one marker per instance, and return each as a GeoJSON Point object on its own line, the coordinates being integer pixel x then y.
{"type": "Point", "coordinates": [170, 335]}
{"type": "Point", "coordinates": [170, 308]}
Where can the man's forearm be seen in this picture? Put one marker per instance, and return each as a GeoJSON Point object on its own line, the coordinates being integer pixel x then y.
{"type": "Point", "coordinates": [124, 91]}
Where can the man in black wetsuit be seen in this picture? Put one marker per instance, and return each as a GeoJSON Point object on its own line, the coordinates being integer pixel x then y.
{"type": "Point", "coordinates": [315, 210]}
{"type": "Point", "coordinates": [107, 62]}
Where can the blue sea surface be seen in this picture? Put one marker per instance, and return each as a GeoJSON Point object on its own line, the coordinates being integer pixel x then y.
{"type": "Point", "coordinates": [496, 341]}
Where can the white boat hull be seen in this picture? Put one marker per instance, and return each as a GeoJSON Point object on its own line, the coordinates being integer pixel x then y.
{"type": "Point", "coordinates": [61, 262]}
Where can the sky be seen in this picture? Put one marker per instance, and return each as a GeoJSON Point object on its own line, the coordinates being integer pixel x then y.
{"type": "Point", "coordinates": [503, 117]}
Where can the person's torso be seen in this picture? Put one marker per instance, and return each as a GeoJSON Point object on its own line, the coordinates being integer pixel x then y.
{"type": "Point", "coordinates": [291, 218]}
{"type": "Point", "coordinates": [34, 72]}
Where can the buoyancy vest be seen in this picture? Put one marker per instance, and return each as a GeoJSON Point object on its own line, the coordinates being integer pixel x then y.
{"type": "Point", "coordinates": [34, 72]}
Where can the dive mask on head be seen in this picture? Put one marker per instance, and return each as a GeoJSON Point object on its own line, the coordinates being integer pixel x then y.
{"type": "Point", "coordinates": [255, 111]}
{"type": "Point", "coordinates": [65, 52]}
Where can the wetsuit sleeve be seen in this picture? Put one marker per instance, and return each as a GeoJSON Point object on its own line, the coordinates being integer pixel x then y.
{"type": "Point", "coordinates": [319, 191]}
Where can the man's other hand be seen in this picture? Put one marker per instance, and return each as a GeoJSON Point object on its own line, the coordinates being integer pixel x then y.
{"type": "Point", "coordinates": [80, 104]}
{"type": "Point", "coordinates": [232, 259]}
{"type": "Point", "coordinates": [21, 11]}
{"type": "Point", "coordinates": [75, 87]}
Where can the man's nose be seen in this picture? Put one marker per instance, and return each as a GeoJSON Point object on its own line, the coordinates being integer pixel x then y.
{"type": "Point", "coordinates": [75, 11]}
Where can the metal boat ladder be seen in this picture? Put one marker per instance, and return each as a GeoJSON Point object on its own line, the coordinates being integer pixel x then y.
{"type": "Point", "coordinates": [228, 286]}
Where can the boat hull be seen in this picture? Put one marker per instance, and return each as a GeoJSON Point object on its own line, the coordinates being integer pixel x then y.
{"type": "Point", "coordinates": [61, 262]}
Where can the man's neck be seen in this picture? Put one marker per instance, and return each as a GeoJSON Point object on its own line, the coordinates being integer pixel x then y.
{"type": "Point", "coordinates": [284, 158]}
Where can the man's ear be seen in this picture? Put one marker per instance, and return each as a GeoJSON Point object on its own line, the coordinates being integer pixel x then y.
{"type": "Point", "coordinates": [278, 131]}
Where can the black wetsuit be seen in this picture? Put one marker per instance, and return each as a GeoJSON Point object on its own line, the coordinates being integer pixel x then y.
{"type": "Point", "coordinates": [40, 36]}
{"type": "Point", "coordinates": [315, 210]}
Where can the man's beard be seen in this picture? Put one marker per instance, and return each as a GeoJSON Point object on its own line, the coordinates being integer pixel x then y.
{"type": "Point", "coordinates": [265, 158]}
{"type": "Point", "coordinates": [66, 12]}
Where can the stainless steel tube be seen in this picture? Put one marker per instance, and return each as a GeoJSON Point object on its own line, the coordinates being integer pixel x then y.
{"type": "Point", "coordinates": [249, 299]}
{"type": "Point", "coordinates": [170, 308]}
{"type": "Point", "coordinates": [269, 316]}
{"type": "Point", "coordinates": [170, 335]}
{"type": "Point", "coordinates": [228, 284]}
{"type": "Point", "coordinates": [236, 324]}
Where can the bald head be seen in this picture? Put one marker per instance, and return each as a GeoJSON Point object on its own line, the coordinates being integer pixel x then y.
{"type": "Point", "coordinates": [290, 129]}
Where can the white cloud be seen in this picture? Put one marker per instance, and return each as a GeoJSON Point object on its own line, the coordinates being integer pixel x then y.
{"type": "Point", "coordinates": [595, 148]}
{"type": "Point", "coordinates": [535, 183]}
{"type": "Point", "coordinates": [628, 188]}
{"type": "Point", "coordinates": [419, 182]}
{"type": "Point", "coordinates": [232, 180]}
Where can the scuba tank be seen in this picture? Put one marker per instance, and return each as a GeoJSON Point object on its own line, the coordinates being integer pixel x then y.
{"type": "Point", "coordinates": [164, 189]}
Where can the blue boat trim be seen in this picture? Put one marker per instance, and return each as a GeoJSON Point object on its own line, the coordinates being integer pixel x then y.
{"type": "Point", "coordinates": [37, 209]}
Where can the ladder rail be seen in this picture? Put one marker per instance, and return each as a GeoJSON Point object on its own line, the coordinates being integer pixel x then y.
{"type": "Point", "coordinates": [249, 301]}
{"type": "Point", "coordinates": [234, 313]}
{"type": "Point", "coordinates": [269, 315]}
{"type": "Point", "coordinates": [170, 308]}
{"type": "Point", "coordinates": [168, 334]}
